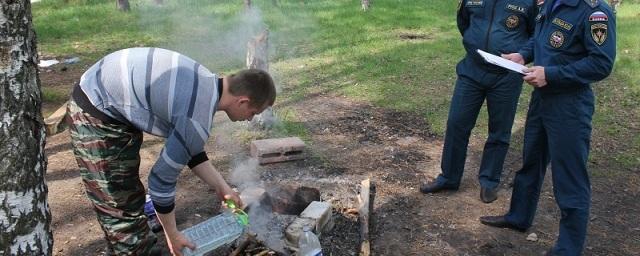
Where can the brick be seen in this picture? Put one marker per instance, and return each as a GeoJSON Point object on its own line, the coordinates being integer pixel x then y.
{"type": "Point", "coordinates": [291, 200]}
{"type": "Point", "coordinates": [278, 150]}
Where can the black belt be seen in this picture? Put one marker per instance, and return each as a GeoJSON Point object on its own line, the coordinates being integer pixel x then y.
{"type": "Point", "coordinates": [85, 104]}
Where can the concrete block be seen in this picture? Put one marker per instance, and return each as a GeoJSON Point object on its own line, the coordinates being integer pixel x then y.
{"type": "Point", "coordinates": [317, 215]}
{"type": "Point", "coordinates": [321, 213]}
{"type": "Point", "coordinates": [277, 150]}
{"type": "Point", "coordinates": [294, 230]}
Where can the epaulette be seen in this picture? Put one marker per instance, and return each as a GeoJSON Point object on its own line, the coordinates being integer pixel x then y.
{"type": "Point", "coordinates": [592, 3]}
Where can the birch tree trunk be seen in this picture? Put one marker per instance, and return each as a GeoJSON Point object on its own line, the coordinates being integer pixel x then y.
{"type": "Point", "coordinates": [25, 220]}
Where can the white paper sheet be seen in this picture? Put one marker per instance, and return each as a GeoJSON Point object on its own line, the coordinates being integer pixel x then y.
{"type": "Point", "coordinates": [502, 62]}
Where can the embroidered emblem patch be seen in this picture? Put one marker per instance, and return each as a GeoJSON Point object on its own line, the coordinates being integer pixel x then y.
{"type": "Point", "coordinates": [556, 39]}
{"type": "Point", "coordinates": [512, 21]}
{"type": "Point", "coordinates": [561, 23]}
{"type": "Point", "coordinates": [598, 16]}
{"type": "Point", "coordinates": [599, 33]}
{"type": "Point", "coordinates": [592, 3]}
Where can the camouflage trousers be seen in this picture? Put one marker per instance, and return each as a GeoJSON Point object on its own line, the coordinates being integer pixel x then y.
{"type": "Point", "coordinates": [108, 156]}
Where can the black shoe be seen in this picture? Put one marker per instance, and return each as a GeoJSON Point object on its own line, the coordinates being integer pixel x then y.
{"type": "Point", "coordinates": [156, 251]}
{"type": "Point", "coordinates": [488, 195]}
{"type": "Point", "coordinates": [500, 222]}
{"type": "Point", "coordinates": [154, 224]}
{"type": "Point", "coordinates": [433, 187]}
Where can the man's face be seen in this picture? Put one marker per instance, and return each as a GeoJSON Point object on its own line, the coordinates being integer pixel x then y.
{"type": "Point", "coordinates": [243, 111]}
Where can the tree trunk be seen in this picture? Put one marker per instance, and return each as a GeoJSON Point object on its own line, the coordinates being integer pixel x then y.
{"type": "Point", "coordinates": [258, 58]}
{"type": "Point", "coordinates": [25, 219]}
{"type": "Point", "coordinates": [258, 51]}
{"type": "Point", "coordinates": [123, 5]}
{"type": "Point", "coordinates": [247, 4]}
{"type": "Point", "coordinates": [365, 5]}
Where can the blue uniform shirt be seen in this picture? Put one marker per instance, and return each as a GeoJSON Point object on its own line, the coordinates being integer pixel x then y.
{"type": "Point", "coordinates": [495, 26]}
{"type": "Point", "coordinates": [575, 42]}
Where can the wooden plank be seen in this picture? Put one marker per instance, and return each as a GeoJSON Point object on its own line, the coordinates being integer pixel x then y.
{"type": "Point", "coordinates": [54, 123]}
{"type": "Point", "coordinates": [365, 198]}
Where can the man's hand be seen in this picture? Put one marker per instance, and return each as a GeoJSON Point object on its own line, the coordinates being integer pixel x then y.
{"type": "Point", "coordinates": [535, 76]}
{"type": "Point", "coordinates": [230, 194]}
{"type": "Point", "coordinates": [515, 57]}
{"type": "Point", "coordinates": [177, 241]}
{"type": "Point", "coordinates": [212, 177]}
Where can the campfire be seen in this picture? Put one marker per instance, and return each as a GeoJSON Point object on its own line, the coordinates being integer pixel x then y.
{"type": "Point", "coordinates": [277, 215]}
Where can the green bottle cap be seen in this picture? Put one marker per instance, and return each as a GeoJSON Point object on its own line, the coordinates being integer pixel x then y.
{"type": "Point", "coordinates": [241, 216]}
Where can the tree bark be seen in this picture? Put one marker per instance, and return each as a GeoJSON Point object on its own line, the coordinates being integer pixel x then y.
{"type": "Point", "coordinates": [123, 5]}
{"type": "Point", "coordinates": [25, 219]}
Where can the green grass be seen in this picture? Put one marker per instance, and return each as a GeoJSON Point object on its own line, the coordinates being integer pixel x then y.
{"type": "Point", "coordinates": [333, 46]}
{"type": "Point", "coordinates": [54, 95]}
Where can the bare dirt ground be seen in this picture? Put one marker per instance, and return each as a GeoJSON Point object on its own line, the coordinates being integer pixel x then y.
{"type": "Point", "coordinates": [348, 142]}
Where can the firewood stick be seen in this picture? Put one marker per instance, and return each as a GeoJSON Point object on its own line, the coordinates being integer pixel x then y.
{"type": "Point", "coordinates": [366, 197]}
{"type": "Point", "coordinates": [244, 244]}
{"type": "Point", "coordinates": [262, 253]}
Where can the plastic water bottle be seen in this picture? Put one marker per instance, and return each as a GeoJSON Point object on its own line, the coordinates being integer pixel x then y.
{"type": "Point", "coordinates": [309, 244]}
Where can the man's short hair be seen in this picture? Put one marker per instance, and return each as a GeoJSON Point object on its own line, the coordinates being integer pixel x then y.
{"type": "Point", "coordinates": [254, 83]}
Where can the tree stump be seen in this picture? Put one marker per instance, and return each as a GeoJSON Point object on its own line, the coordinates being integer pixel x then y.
{"type": "Point", "coordinates": [258, 58]}
{"type": "Point", "coordinates": [258, 51]}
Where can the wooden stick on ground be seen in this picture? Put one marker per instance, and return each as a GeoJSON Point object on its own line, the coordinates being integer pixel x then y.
{"type": "Point", "coordinates": [366, 197]}
{"type": "Point", "coordinates": [250, 238]}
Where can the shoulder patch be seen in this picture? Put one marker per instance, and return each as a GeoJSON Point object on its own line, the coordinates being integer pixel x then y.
{"type": "Point", "coordinates": [598, 16]}
{"type": "Point", "coordinates": [592, 3]}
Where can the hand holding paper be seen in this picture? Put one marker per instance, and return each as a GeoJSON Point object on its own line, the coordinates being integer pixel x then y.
{"type": "Point", "coordinates": [502, 62]}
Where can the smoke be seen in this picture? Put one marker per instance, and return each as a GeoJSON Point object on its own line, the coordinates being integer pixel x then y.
{"type": "Point", "coordinates": [204, 31]}
{"type": "Point", "coordinates": [244, 174]}
{"type": "Point", "coordinates": [268, 226]}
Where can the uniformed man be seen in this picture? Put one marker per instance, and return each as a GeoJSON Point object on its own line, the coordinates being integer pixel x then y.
{"type": "Point", "coordinates": [495, 26]}
{"type": "Point", "coordinates": [574, 46]}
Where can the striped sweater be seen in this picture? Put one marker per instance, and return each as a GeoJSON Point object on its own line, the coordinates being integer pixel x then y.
{"type": "Point", "coordinates": [163, 93]}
